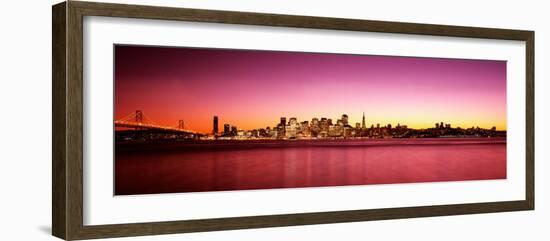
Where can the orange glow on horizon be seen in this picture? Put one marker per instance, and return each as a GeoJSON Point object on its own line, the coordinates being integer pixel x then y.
{"type": "Point", "coordinates": [253, 89]}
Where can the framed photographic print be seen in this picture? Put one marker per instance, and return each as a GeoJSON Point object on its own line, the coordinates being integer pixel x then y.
{"type": "Point", "coordinates": [171, 120]}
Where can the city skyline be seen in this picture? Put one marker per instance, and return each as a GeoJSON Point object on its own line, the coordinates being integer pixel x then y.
{"type": "Point", "coordinates": [250, 89]}
{"type": "Point", "coordinates": [350, 121]}
{"type": "Point", "coordinates": [203, 120]}
{"type": "Point", "coordinates": [323, 128]}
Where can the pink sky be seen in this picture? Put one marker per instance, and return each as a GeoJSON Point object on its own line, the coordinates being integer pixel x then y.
{"type": "Point", "coordinates": [253, 89]}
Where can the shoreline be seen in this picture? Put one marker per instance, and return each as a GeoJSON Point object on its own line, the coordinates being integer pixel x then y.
{"type": "Point", "coordinates": [212, 145]}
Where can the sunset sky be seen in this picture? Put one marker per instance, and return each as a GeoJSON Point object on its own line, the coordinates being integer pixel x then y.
{"type": "Point", "coordinates": [253, 89]}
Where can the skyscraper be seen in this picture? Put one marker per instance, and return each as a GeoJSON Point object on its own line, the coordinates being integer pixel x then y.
{"type": "Point", "coordinates": [226, 129]}
{"type": "Point", "coordinates": [215, 126]}
{"type": "Point", "coordinates": [283, 121]}
{"type": "Point", "coordinates": [293, 121]}
{"type": "Point", "coordinates": [363, 124]}
{"type": "Point", "coordinates": [314, 123]}
{"type": "Point", "coordinates": [345, 120]}
{"type": "Point", "coordinates": [283, 125]}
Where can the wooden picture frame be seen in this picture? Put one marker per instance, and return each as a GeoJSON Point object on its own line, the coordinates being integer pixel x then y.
{"type": "Point", "coordinates": [67, 159]}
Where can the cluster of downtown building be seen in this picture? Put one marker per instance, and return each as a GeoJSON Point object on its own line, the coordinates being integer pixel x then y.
{"type": "Point", "coordinates": [326, 128]}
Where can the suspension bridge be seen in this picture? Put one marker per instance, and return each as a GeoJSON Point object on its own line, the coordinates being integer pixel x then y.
{"type": "Point", "coordinates": [138, 121]}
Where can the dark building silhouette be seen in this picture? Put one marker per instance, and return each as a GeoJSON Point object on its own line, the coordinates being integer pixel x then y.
{"type": "Point", "coordinates": [226, 129]}
{"type": "Point", "coordinates": [215, 128]}
{"type": "Point", "coordinates": [345, 121]}
{"type": "Point", "coordinates": [363, 124]}
{"type": "Point", "coordinates": [283, 124]}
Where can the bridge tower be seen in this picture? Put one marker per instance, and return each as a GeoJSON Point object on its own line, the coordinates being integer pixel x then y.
{"type": "Point", "coordinates": [181, 125]}
{"type": "Point", "coordinates": [139, 118]}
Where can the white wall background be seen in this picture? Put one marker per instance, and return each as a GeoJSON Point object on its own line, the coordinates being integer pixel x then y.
{"type": "Point", "coordinates": [25, 120]}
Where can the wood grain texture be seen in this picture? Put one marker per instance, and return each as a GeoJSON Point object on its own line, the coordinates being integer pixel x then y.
{"type": "Point", "coordinates": [280, 20]}
{"type": "Point", "coordinates": [59, 182]}
{"type": "Point", "coordinates": [530, 120]}
{"type": "Point", "coordinates": [74, 121]}
{"type": "Point", "coordinates": [67, 78]}
{"type": "Point", "coordinates": [155, 228]}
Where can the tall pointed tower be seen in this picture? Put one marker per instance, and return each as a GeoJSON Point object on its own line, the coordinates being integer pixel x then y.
{"type": "Point", "coordinates": [363, 124]}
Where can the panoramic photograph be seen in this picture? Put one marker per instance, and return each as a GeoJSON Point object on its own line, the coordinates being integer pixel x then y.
{"type": "Point", "coordinates": [207, 119]}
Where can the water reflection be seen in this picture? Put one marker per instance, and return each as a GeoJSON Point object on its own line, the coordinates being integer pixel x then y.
{"type": "Point", "coordinates": [144, 172]}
